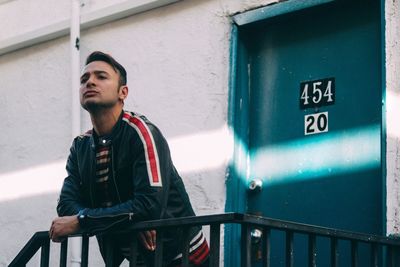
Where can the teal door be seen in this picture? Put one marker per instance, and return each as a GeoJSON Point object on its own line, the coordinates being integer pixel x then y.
{"type": "Point", "coordinates": [314, 119]}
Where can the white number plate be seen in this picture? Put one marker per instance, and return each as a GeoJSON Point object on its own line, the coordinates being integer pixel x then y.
{"type": "Point", "coordinates": [316, 123]}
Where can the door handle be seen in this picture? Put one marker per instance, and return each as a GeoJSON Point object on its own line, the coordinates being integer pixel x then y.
{"type": "Point", "coordinates": [255, 185]}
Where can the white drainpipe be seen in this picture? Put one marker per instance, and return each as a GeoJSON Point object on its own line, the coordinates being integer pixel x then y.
{"type": "Point", "coordinates": [75, 244]}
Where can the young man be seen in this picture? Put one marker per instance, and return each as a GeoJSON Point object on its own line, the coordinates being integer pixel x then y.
{"type": "Point", "coordinates": [122, 171]}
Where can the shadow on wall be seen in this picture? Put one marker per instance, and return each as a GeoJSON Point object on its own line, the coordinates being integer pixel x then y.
{"type": "Point", "coordinates": [192, 153]}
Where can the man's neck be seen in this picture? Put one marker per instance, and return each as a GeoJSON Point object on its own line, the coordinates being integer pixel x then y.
{"type": "Point", "coordinates": [104, 120]}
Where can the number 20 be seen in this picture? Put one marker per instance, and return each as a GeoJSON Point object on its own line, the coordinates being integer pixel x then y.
{"type": "Point", "coordinates": [316, 123]}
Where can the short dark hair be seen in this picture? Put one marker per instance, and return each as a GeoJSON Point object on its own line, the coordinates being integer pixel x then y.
{"type": "Point", "coordinates": [100, 56]}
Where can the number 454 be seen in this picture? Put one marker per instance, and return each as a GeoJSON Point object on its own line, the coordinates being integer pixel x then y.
{"type": "Point", "coordinates": [317, 93]}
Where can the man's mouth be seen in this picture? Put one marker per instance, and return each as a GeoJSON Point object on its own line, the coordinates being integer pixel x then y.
{"type": "Point", "coordinates": [90, 93]}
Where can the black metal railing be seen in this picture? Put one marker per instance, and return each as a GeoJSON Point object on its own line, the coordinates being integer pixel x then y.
{"type": "Point", "coordinates": [384, 251]}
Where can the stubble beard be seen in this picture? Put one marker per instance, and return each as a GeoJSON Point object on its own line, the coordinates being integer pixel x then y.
{"type": "Point", "coordinates": [94, 107]}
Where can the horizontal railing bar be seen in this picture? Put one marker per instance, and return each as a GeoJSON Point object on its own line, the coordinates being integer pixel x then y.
{"type": "Point", "coordinates": [189, 221]}
{"type": "Point", "coordinates": [263, 222]}
{"type": "Point", "coordinates": [318, 230]}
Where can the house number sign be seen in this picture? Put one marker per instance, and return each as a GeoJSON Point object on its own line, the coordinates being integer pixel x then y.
{"type": "Point", "coordinates": [317, 93]}
{"type": "Point", "coordinates": [314, 94]}
{"type": "Point", "coordinates": [316, 123]}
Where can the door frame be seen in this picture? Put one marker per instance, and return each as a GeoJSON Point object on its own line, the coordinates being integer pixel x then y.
{"type": "Point", "coordinates": [238, 113]}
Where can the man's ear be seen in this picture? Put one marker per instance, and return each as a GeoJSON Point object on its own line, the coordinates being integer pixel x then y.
{"type": "Point", "coordinates": [123, 92]}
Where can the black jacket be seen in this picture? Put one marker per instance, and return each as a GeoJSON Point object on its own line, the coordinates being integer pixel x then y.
{"type": "Point", "coordinates": [145, 183]}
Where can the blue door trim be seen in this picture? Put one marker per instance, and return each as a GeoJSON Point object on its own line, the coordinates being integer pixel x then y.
{"type": "Point", "coordinates": [238, 124]}
{"type": "Point", "coordinates": [238, 115]}
{"type": "Point", "coordinates": [275, 10]}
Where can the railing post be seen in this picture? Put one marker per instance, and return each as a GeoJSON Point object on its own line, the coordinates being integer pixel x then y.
{"type": "Point", "coordinates": [334, 252]}
{"type": "Point", "coordinates": [214, 244]}
{"type": "Point", "coordinates": [266, 239]}
{"type": "Point", "coordinates": [63, 253]}
{"type": "Point", "coordinates": [289, 249]}
{"type": "Point", "coordinates": [396, 255]}
{"type": "Point", "coordinates": [45, 253]}
{"type": "Point", "coordinates": [159, 249]}
{"type": "Point", "coordinates": [185, 247]}
{"type": "Point", "coordinates": [354, 254]}
{"type": "Point", "coordinates": [110, 253]}
{"type": "Point", "coordinates": [374, 255]}
{"type": "Point", "coordinates": [245, 245]}
{"type": "Point", "coordinates": [133, 250]}
{"type": "Point", "coordinates": [85, 251]}
{"type": "Point", "coordinates": [312, 251]}
{"type": "Point", "coordinates": [390, 256]}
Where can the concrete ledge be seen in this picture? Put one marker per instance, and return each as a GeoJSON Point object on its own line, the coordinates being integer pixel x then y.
{"type": "Point", "coordinates": [88, 20]}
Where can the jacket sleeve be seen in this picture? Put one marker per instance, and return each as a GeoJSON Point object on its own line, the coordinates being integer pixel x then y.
{"type": "Point", "coordinates": [70, 201]}
{"type": "Point", "coordinates": [151, 168]}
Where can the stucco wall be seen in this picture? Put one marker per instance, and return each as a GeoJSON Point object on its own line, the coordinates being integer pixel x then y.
{"type": "Point", "coordinates": [392, 106]}
{"type": "Point", "coordinates": [24, 16]}
{"type": "Point", "coordinates": [177, 59]}
{"type": "Point", "coordinates": [35, 138]}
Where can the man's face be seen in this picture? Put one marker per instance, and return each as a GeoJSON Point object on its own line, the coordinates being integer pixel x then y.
{"type": "Point", "coordinates": [100, 86]}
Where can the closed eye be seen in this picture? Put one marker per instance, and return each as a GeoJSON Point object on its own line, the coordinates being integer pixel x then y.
{"type": "Point", "coordinates": [84, 78]}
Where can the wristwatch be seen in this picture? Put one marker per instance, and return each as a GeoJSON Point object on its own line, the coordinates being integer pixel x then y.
{"type": "Point", "coordinates": [81, 217]}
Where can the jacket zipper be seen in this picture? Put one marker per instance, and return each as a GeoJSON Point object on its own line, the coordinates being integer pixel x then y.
{"type": "Point", "coordinates": [93, 164]}
{"type": "Point", "coordinates": [129, 214]}
{"type": "Point", "coordinates": [123, 216]}
{"type": "Point", "coordinates": [113, 174]}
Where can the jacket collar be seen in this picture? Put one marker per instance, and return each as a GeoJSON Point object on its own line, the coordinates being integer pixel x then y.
{"type": "Point", "coordinates": [96, 140]}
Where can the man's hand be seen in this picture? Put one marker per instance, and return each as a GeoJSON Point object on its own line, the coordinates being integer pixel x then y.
{"type": "Point", "coordinates": [62, 227]}
{"type": "Point", "coordinates": [148, 239]}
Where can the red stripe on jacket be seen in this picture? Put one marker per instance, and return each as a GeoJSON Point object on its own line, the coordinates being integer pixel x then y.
{"type": "Point", "coordinates": [150, 147]}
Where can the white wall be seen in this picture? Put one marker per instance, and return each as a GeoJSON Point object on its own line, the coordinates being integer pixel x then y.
{"type": "Point", "coordinates": [392, 104]}
{"type": "Point", "coordinates": [24, 16]}
{"type": "Point", "coordinates": [34, 139]}
{"type": "Point", "coordinates": [177, 59]}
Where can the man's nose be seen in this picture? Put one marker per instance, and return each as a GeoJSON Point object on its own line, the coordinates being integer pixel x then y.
{"type": "Point", "coordinates": [90, 82]}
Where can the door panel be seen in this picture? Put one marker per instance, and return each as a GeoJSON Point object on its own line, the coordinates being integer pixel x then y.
{"type": "Point", "coordinates": [333, 178]}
